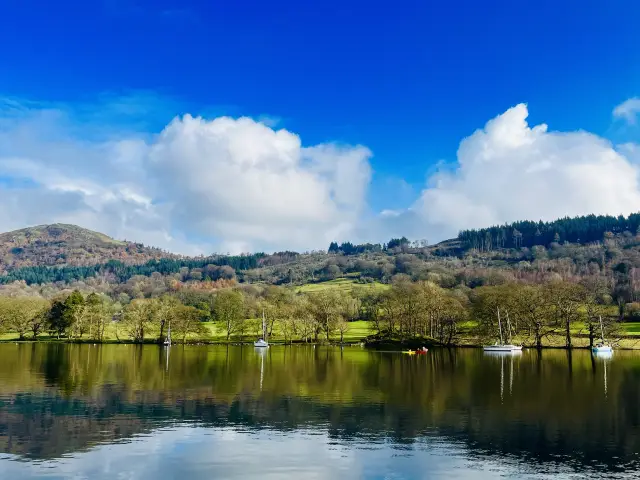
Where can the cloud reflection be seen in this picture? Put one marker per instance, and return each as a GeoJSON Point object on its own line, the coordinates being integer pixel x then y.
{"type": "Point", "coordinates": [205, 453]}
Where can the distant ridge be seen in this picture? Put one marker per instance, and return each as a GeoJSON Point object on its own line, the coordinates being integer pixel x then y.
{"type": "Point", "coordinates": [61, 253]}
{"type": "Point", "coordinates": [64, 244]}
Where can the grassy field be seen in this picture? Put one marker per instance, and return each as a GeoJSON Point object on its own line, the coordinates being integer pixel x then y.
{"type": "Point", "coordinates": [631, 328]}
{"type": "Point", "coordinates": [342, 284]}
{"type": "Point", "coordinates": [358, 330]}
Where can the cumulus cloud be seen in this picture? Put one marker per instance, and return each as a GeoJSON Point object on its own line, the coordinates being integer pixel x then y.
{"type": "Point", "coordinates": [628, 110]}
{"type": "Point", "coordinates": [243, 181]}
{"type": "Point", "coordinates": [199, 185]}
{"type": "Point", "coordinates": [510, 171]}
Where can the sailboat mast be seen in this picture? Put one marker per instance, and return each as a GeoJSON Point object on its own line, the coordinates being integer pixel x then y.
{"type": "Point", "coordinates": [601, 329]}
{"type": "Point", "coordinates": [264, 328]}
{"type": "Point", "coordinates": [508, 327]}
{"type": "Point", "coordinates": [500, 326]}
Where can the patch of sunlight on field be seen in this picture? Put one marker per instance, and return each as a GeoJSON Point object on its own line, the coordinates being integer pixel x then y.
{"type": "Point", "coordinates": [342, 284]}
{"type": "Point", "coordinates": [631, 328]}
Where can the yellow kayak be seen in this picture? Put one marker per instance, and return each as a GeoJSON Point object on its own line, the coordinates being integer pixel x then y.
{"type": "Point", "coordinates": [410, 352]}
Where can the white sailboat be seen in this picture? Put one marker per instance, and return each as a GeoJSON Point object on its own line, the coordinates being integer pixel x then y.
{"type": "Point", "coordinates": [502, 347]}
{"type": "Point", "coordinates": [602, 347]}
{"type": "Point", "coordinates": [167, 341]}
{"type": "Point", "coordinates": [262, 342]}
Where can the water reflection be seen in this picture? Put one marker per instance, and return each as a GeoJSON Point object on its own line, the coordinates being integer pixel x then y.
{"type": "Point", "coordinates": [370, 412]}
{"type": "Point", "coordinates": [509, 356]}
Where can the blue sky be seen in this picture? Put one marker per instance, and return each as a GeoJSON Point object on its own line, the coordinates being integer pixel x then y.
{"type": "Point", "coordinates": [408, 80]}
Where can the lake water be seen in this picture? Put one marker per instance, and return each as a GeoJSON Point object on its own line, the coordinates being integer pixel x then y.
{"type": "Point", "coordinates": [204, 412]}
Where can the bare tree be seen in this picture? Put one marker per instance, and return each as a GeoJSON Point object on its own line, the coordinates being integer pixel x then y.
{"type": "Point", "coordinates": [566, 299]}
{"type": "Point", "coordinates": [18, 314]}
{"type": "Point", "coordinates": [228, 309]}
{"type": "Point", "coordinates": [138, 318]}
{"type": "Point", "coordinates": [343, 327]}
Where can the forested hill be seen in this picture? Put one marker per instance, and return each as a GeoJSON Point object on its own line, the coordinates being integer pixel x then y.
{"type": "Point", "coordinates": [579, 230]}
{"type": "Point", "coordinates": [69, 245]}
{"type": "Point", "coordinates": [530, 251]}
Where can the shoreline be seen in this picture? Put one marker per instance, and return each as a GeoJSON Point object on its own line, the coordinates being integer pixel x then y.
{"type": "Point", "coordinates": [385, 345]}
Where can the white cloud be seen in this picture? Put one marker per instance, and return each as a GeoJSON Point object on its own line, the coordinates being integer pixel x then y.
{"type": "Point", "coordinates": [234, 183]}
{"type": "Point", "coordinates": [628, 110]}
{"type": "Point", "coordinates": [244, 182]}
{"type": "Point", "coordinates": [509, 171]}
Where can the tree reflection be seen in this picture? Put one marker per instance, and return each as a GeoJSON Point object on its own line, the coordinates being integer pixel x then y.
{"type": "Point", "coordinates": [538, 406]}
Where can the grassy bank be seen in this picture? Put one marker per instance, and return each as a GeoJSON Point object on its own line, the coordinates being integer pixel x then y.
{"type": "Point", "coordinates": [358, 331]}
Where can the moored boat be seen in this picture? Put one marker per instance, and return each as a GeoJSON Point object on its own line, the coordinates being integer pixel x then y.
{"type": "Point", "coordinates": [262, 343]}
{"type": "Point", "coordinates": [167, 341]}
{"type": "Point", "coordinates": [602, 347]}
{"type": "Point", "coordinates": [502, 347]}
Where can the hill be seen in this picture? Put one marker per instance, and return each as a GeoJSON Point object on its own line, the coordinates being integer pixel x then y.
{"type": "Point", "coordinates": [62, 244]}
{"type": "Point", "coordinates": [575, 249]}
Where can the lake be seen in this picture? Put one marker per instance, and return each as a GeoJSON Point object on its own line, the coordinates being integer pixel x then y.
{"type": "Point", "coordinates": [203, 412]}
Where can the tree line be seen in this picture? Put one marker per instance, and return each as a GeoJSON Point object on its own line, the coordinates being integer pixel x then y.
{"type": "Point", "coordinates": [348, 248]}
{"type": "Point", "coordinates": [582, 230]}
{"type": "Point", "coordinates": [233, 311]}
{"type": "Point", "coordinates": [525, 313]}
{"type": "Point", "coordinates": [212, 268]}
{"type": "Point", "coordinates": [529, 313]}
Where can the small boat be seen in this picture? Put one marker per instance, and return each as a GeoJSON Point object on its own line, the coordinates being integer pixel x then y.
{"type": "Point", "coordinates": [422, 351]}
{"type": "Point", "coordinates": [262, 343]}
{"type": "Point", "coordinates": [409, 352]}
{"type": "Point", "coordinates": [602, 350]}
{"type": "Point", "coordinates": [501, 347]}
{"type": "Point", "coordinates": [602, 347]}
{"type": "Point", "coordinates": [167, 341]}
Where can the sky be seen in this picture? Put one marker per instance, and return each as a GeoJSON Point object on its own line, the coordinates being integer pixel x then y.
{"type": "Point", "coordinates": [228, 127]}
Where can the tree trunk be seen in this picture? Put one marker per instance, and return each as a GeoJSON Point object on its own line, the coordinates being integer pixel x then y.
{"type": "Point", "coordinates": [568, 333]}
{"type": "Point", "coordinates": [621, 311]}
{"type": "Point", "coordinates": [326, 327]}
{"type": "Point", "coordinates": [161, 337]}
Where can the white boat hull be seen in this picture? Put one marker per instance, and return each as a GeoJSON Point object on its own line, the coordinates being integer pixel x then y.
{"type": "Point", "coordinates": [503, 348]}
{"type": "Point", "coordinates": [260, 343]}
{"type": "Point", "coordinates": [603, 349]}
